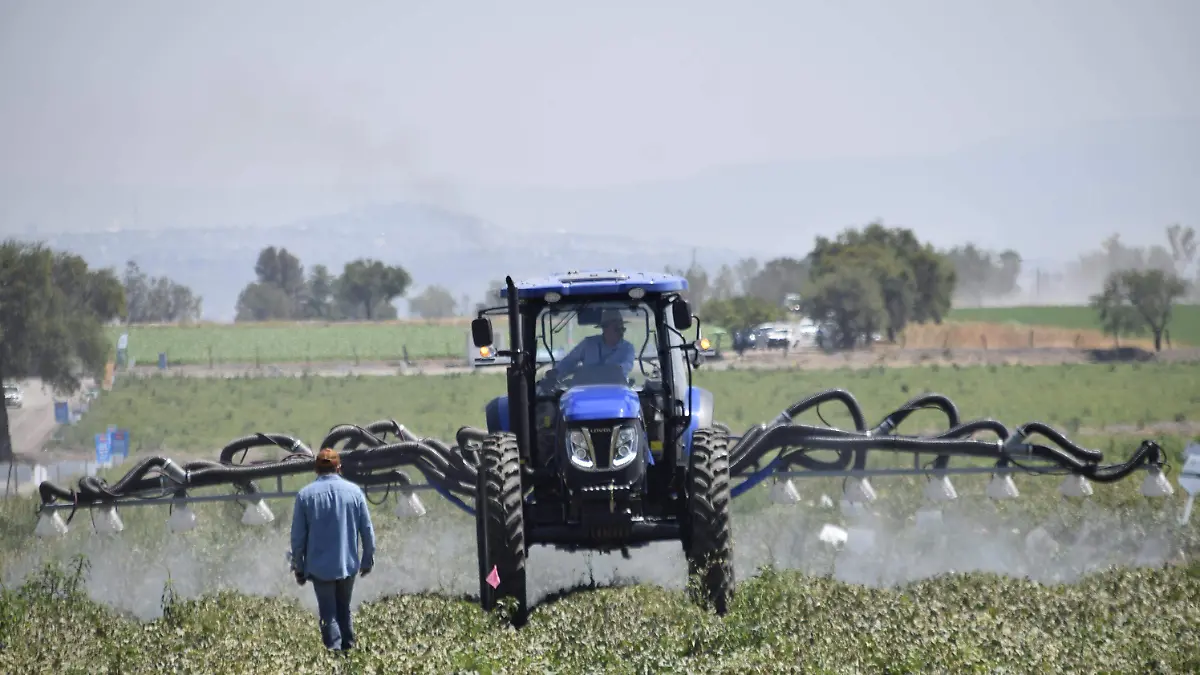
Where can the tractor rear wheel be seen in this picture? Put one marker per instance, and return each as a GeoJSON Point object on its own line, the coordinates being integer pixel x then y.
{"type": "Point", "coordinates": [500, 519]}
{"type": "Point", "coordinates": [708, 540]}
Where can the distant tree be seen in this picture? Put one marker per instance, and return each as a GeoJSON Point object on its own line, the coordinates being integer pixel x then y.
{"type": "Point", "coordinates": [1093, 268]}
{"type": "Point", "coordinates": [983, 274]}
{"type": "Point", "coordinates": [318, 298]}
{"type": "Point", "coordinates": [279, 291]}
{"type": "Point", "coordinates": [157, 299]}
{"type": "Point", "coordinates": [745, 269]}
{"type": "Point", "coordinates": [52, 314]}
{"type": "Point", "coordinates": [777, 278]}
{"type": "Point", "coordinates": [435, 302]}
{"type": "Point", "coordinates": [281, 269]}
{"type": "Point", "coordinates": [850, 299]}
{"type": "Point", "coordinates": [1117, 315]}
{"type": "Point", "coordinates": [367, 283]}
{"type": "Point", "coordinates": [137, 294]}
{"type": "Point", "coordinates": [698, 284]}
{"type": "Point", "coordinates": [1183, 252]}
{"type": "Point", "coordinates": [913, 282]}
{"type": "Point", "coordinates": [491, 297]}
{"type": "Point", "coordinates": [1183, 246]}
{"type": "Point", "coordinates": [739, 312]}
{"type": "Point", "coordinates": [724, 285]}
{"type": "Point", "coordinates": [1153, 293]}
{"type": "Point", "coordinates": [260, 301]}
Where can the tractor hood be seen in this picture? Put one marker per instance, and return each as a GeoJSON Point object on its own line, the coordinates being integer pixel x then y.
{"type": "Point", "coordinates": [599, 402]}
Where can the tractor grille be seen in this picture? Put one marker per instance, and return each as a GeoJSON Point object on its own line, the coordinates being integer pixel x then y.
{"type": "Point", "coordinates": [602, 445]}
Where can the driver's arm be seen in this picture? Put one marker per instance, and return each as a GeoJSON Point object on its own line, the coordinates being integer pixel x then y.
{"type": "Point", "coordinates": [628, 356]}
{"type": "Point", "coordinates": [572, 360]}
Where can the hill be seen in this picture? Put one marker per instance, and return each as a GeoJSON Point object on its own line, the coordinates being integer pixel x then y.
{"type": "Point", "coordinates": [1050, 195]}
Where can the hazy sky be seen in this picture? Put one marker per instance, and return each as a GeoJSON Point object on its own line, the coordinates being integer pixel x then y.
{"type": "Point", "coordinates": [369, 95]}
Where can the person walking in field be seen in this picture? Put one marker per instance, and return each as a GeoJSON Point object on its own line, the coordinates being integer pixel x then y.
{"type": "Point", "coordinates": [329, 520]}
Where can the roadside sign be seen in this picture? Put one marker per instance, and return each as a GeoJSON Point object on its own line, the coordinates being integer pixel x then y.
{"type": "Point", "coordinates": [103, 450]}
{"type": "Point", "coordinates": [62, 412]}
{"type": "Point", "coordinates": [119, 442]}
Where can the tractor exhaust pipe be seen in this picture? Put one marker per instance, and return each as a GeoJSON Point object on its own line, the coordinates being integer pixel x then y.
{"type": "Point", "coordinates": [518, 376]}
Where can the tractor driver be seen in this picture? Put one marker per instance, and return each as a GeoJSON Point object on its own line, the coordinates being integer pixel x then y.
{"type": "Point", "coordinates": [609, 347]}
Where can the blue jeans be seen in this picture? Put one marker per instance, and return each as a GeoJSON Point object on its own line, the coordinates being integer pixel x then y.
{"type": "Point", "coordinates": [333, 606]}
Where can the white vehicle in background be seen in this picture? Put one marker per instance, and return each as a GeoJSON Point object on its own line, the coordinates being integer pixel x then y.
{"type": "Point", "coordinates": [13, 396]}
{"type": "Point", "coordinates": [805, 333]}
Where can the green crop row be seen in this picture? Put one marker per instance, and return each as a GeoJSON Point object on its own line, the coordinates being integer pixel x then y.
{"type": "Point", "coordinates": [294, 342]}
{"type": "Point", "coordinates": [1119, 621]}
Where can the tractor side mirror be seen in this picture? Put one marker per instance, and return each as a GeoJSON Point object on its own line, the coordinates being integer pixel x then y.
{"type": "Point", "coordinates": [481, 331]}
{"type": "Point", "coordinates": [682, 314]}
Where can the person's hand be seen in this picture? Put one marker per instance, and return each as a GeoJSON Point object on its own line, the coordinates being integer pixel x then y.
{"type": "Point", "coordinates": [364, 571]}
{"type": "Point", "coordinates": [300, 580]}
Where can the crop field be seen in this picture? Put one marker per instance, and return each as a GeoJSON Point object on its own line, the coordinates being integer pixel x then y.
{"type": "Point", "coordinates": [181, 414]}
{"type": "Point", "coordinates": [1039, 584]}
{"type": "Point", "coordinates": [1184, 326]}
{"type": "Point", "coordinates": [287, 342]}
{"type": "Point", "coordinates": [314, 342]}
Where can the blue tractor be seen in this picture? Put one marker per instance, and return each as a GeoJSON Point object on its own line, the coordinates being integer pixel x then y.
{"type": "Point", "coordinates": [595, 451]}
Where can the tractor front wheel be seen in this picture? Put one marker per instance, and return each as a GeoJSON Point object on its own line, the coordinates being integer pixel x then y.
{"type": "Point", "coordinates": [708, 542]}
{"type": "Point", "coordinates": [500, 518]}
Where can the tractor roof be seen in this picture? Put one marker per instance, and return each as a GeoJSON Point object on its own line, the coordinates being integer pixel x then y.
{"type": "Point", "coordinates": [598, 282]}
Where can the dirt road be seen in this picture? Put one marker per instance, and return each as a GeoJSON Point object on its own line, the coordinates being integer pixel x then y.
{"type": "Point", "coordinates": [32, 423]}
{"type": "Point", "coordinates": [800, 358]}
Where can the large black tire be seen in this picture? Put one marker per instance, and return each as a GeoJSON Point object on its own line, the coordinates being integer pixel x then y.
{"type": "Point", "coordinates": [708, 539]}
{"type": "Point", "coordinates": [500, 509]}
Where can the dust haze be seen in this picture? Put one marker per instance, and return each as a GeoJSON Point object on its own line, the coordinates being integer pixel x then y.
{"type": "Point", "coordinates": [437, 554]}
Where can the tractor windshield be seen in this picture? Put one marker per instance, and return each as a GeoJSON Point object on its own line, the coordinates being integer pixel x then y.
{"type": "Point", "coordinates": [599, 342]}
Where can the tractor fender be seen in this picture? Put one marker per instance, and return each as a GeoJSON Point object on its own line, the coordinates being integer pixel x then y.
{"type": "Point", "coordinates": [496, 412]}
{"type": "Point", "coordinates": [703, 406]}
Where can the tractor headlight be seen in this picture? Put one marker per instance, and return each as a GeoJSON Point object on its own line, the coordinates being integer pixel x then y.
{"type": "Point", "coordinates": [624, 447]}
{"type": "Point", "coordinates": [578, 446]}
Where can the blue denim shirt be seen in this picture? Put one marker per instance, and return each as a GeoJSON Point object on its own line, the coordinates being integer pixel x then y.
{"type": "Point", "coordinates": [328, 520]}
{"type": "Point", "coordinates": [591, 351]}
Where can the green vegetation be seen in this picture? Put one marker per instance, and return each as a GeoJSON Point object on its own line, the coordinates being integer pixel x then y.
{"type": "Point", "coordinates": [294, 342]}
{"type": "Point", "coordinates": [250, 619]}
{"type": "Point", "coordinates": [200, 414]}
{"type": "Point", "coordinates": [1184, 327]}
{"type": "Point", "coordinates": [1138, 621]}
